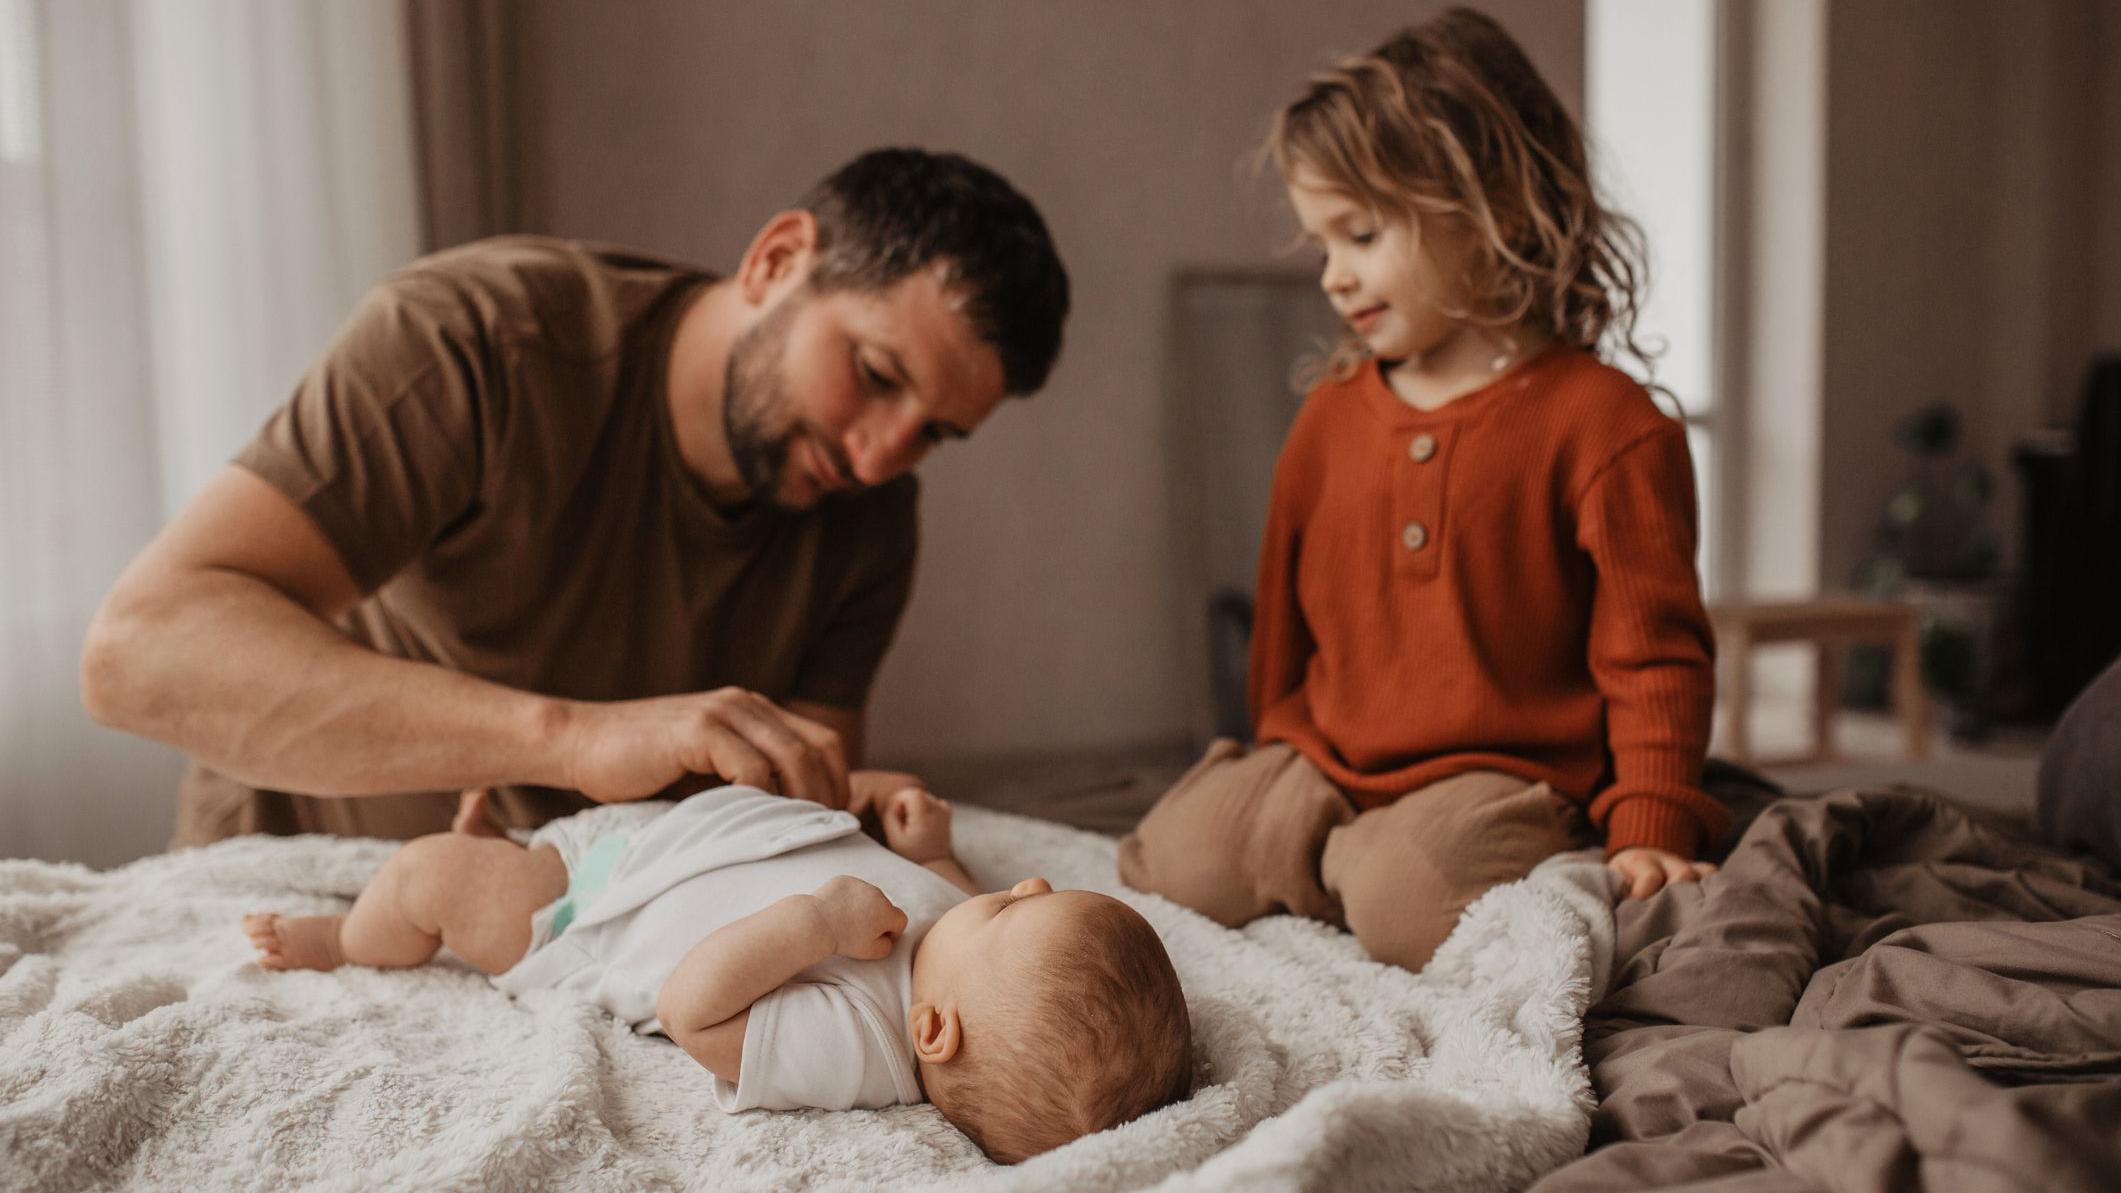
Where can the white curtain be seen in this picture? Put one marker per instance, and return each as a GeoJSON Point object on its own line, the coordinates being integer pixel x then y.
{"type": "Point", "coordinates": [192, 195]}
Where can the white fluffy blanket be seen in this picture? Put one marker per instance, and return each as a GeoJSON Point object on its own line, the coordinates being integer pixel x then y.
{"type": "Point", "coordinates": [139, 1045]}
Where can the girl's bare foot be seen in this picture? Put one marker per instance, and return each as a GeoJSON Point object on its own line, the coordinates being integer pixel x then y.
{"type": "Point", "coordinates": [295, 942]}
{"type": "Point", "coordinates": [474, 818]}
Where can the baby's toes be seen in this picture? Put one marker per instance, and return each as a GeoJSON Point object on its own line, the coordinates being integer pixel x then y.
{"type": "Point", "coordinates": [263, 929]}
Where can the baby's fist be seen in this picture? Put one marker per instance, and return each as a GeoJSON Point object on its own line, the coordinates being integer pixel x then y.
{"type": "Point", "coordinates": [863, 921]}
{"type": "Point", "coordinates": [917, 825]}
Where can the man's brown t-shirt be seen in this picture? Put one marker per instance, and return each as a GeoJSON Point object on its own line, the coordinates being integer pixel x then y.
{"type": "Point", "coordinates": [489, 446]}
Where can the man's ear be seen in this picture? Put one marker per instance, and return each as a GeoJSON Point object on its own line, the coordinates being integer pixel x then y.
{"type": "Point", "coordinates": [781, 253]}
{"type": "Point", "coordinates": [936, 1032]}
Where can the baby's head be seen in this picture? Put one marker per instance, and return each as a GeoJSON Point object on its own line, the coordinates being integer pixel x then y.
{"type": "Point", "coordinates": [1040, 1016]}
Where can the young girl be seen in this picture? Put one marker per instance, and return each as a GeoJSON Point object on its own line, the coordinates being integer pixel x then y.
{"type": "Point", "coordinates": [1479, 636]}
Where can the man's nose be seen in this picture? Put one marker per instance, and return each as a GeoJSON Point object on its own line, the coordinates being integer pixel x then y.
{"type": "Point", "coordinates": [886, 442]}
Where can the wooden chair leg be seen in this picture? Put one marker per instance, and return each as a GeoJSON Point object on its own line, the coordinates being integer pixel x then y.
{"type": "Point", "coordinates": [1738, 696]}
{"type": "Point", "coordinates": [1826, 699]}
{"type": "Point", "coordinates": [1909, 699]}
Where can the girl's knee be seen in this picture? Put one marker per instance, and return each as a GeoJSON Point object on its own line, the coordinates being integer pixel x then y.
{"type": "Point", "coordinates": [1407, 940]}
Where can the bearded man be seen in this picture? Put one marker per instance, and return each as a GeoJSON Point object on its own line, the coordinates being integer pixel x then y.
{"type": "Point", "coordinates": [578, 525]}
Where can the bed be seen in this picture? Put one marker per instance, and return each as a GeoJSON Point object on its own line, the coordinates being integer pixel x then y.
{"type": "Point", "coordinates": [140, 1046]}
{"type": "Point", "coordinates": [1876, 992]}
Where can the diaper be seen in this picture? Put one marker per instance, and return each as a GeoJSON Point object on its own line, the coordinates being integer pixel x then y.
{"type": "Point", "coordinates": [583, 884]}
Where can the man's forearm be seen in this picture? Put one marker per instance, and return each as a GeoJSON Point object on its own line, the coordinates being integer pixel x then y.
{"type": "Point", "coordinates": [247, 681]}
{"type": "Point", "coordinates": [742, 962]}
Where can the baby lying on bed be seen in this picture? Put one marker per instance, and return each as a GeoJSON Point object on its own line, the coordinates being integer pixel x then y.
{"type": "Point", "coordinates": [800, 962]}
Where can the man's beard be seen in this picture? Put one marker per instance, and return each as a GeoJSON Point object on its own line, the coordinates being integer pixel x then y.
{"type": "Point", "coordinates": [755, 407]}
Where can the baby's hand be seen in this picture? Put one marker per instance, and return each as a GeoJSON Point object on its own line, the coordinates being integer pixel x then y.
{"type": "Point", "coordinates": [917, 825]}
{"type": "Point", "coordinates": [863, 921]}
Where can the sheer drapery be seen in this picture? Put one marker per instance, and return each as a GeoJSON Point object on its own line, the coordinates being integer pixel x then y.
{"type": "Point", "coordinates": [192, 195]}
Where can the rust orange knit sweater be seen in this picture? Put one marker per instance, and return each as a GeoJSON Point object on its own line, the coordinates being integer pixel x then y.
{"type": "Point", "coordinates": [1504, 583]}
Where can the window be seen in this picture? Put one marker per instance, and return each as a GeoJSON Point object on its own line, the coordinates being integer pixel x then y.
{"type": "Point", "coordinates": [1650, 100]}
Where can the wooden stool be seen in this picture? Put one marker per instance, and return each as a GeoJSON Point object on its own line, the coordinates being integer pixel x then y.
{"type": "Point", "coordinates": [1831, 624]}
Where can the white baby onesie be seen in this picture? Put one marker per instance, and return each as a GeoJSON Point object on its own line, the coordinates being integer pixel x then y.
{"type": "Point", "coordinates": [834, 1036]}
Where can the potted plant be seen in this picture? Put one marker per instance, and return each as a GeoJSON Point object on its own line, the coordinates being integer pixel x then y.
{"type": "Point", "coordinates": [1933, 546]}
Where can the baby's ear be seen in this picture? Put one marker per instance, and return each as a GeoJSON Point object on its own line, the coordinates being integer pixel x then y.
{"type": "Point", "coordinates": [936, 1033]}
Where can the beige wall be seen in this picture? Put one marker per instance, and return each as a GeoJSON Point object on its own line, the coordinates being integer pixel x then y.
{"type": "Point", "coordinates": [1972, 249]}
{"type": "Point", "coordinates": [2104, 118]}
{"type": "Point", "coordinates": [1045, 613]}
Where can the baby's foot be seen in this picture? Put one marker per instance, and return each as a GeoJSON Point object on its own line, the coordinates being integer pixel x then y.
{"type": "Point", "coordinates": [295, 942]}
{"type": "Point", "coordinates": [474, 818]}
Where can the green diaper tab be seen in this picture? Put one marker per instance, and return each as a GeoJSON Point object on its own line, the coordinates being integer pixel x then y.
{"type": "Point", "coordinates": [588, 880]}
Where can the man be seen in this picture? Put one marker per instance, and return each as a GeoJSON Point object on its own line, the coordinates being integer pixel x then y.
{"type": "Point", "coordinates": [580, 525]}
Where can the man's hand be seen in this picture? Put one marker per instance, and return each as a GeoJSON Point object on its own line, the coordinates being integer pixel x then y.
{"type": "Point", "coordinates": [863, 922]}
{"type": "Point", "coordinates": [1647, 871]}
{"type": "Point", "coordinates": [917, 825]}
{"type": "Point", "coordinates": [633, 749]}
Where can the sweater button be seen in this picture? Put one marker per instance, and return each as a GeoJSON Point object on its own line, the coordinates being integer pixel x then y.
{"type": "Point", "coordinates": [1414, 535]}
{"type": "Point", "coordinates": [1423, 448]}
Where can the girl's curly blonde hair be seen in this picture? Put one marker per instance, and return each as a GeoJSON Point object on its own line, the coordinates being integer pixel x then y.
{"type": "Point", "coordinates": [1448, 120]}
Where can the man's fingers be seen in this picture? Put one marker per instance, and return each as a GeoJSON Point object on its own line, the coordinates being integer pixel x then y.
{"type": "Point", "coordinates": [803, 768]}
{"type": "Point", "coordinates": [826, 741]}
{"type": "Point", "coordinates": [813, 749]}
{"type": "Point", "coordinates": [731, 755]}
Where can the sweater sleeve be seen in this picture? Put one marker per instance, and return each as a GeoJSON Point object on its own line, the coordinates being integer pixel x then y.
{"type": "Point", "coordinates": [1281, 642]}
{"type": "Point", "coordinates": [1651, 651]}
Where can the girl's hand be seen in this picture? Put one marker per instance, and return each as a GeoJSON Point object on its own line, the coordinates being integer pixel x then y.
{"type": "Point", "coordinates": [1647, 871]}
{"type": "Point", "coordinates": [863, 921]}
{"type": "Point", "coordinates": [917, 825]}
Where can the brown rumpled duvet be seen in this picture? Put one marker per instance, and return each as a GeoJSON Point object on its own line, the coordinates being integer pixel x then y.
{"type": "Point", "coordinates": [1875, 993]}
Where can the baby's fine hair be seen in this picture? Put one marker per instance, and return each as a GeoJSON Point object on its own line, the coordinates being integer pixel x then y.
{"type": "Point", "coordinates": [1106, 1040]}
{"type": "Point", "coordinates": [1448, 120]}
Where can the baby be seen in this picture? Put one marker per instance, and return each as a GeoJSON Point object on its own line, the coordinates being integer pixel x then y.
{"type": "Point", "coordinates": [796, 959]}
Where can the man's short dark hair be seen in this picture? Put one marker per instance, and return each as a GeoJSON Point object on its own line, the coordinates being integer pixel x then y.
{"type": "Point", "coordinates": [891, 212]}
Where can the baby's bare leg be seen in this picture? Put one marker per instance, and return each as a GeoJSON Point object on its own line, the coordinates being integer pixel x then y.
{"type": "Point", "coordinates": [474, 894]}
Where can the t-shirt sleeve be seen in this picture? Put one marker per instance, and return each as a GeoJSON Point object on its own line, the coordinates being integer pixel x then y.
{"type": "Point", "coordinates": [842, 661]}
{"type": "Point", "coordinates": [822, 1045]}
{"type": "Point", "coordinates": [380, 442]}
